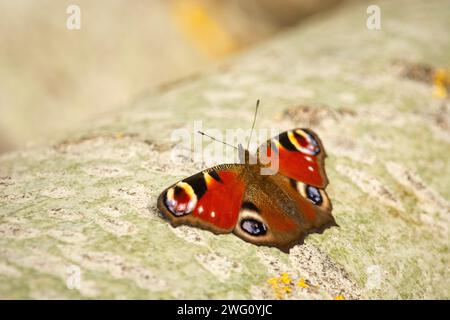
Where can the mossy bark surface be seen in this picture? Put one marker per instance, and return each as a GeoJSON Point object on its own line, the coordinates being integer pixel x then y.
{"type": "Point", "coordinates": [84, 207]}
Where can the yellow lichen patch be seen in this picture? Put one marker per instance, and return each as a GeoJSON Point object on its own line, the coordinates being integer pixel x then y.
{"type": "Point", "coordinates": [339, 297]}
{"type": "Point", "coordinates": [199, 25]}
{"type": "Point", "coordinates": [302, 283]}
{"type": "Point", "coordinates": [285, 278]}
{"type": "Point", "coordinates": [281, 286]}
{"type": "Point", "coordinates": [441, 82]}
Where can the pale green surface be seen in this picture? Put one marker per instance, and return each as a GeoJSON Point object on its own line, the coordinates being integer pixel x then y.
{"type": "Point", "coordinates": [90, 201]}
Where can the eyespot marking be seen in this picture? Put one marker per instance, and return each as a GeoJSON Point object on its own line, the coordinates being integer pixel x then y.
{"type": "Point", "coordinates": [249, 206]}
{"type": "Point", "coordinates": [253, 227]}
{"type": "Point", "coordinates": [180, 200]}
{"type": "Point", "coordinates": [304, 141]}
{"type": "Point", "coordinates": [313, 194]}
{"type": "Point", "coordinates": [293, 183]}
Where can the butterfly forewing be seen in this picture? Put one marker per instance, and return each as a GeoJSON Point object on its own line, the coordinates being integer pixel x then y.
{"type": "Point", "coordinates": [210, 199]}
{"type": "Point", "coordinates": [299, 154]}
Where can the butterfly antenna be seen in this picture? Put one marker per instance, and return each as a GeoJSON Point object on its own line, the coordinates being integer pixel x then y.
{"type": "Point", "coordinates": [253, 125]}
{"type": "Point", "coordinates": [227, 144]}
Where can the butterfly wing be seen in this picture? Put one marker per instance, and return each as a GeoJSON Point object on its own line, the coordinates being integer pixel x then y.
{"type": "Point", "coordinates": [268, 216]}
{"type": "Point", "coordinates": [313, 204]}
{"type": "Point", "coordinates": [280, 212]}
{"type": "Point", "coordinates": [210, 199]}
{"type": "Point", "coordinates": [299, 154]}
{"type": "Point", "coordinates": [292, 203]}
{"type": "Point", "coordinates": [277, 210]}
{"type": "Point", "coordinates": [233, 198]}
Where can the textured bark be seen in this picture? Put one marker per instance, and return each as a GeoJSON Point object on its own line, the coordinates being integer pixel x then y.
{"type": "Point", "coordinates": [87, 203]}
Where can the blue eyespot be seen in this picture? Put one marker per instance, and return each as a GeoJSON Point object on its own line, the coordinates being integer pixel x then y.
{"type": "Point", "coordinates": [314, 195]}
{"type": "Point", "coordinates": [253, 227]}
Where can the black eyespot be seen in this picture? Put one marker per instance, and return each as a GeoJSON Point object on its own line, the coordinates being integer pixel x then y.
{"type": "Point", "coordinates": [293, 183]}
{"type": "Point", "coordinates": [311, 144]}
{"type": "Point", "coordinates": [253, 227]}
{"type": "Point", "coordinates": [310, 134]}
{"type": "Point", "coordinates": [249, 206]}
{"type": "Point", "coordinates": [314, 195]}
{"type": "Point", "coordinates": [177, 191]}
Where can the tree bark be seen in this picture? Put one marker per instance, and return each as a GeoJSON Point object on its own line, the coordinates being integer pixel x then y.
{"type": "Point", "coordinates": [78, 217]}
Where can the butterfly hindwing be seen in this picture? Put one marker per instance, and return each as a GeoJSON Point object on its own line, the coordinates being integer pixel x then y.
{"type": "Point", "coordinates": [313, 204]}
{"type": "Point", "coordinates": [267, 215]}
{"type": "Point", "coordinates": [300, 156]}
{"type": "Point", "coordinates": [280, 212]}
{"type": "Point", "coordinates": [210, 199]}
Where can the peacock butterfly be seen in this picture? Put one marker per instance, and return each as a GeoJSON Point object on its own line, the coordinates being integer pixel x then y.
{"type": "Point", "coordinates": [277, 210]}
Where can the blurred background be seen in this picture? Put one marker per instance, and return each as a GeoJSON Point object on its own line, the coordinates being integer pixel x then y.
{"type": "Point", "coordinates": [53, 78]}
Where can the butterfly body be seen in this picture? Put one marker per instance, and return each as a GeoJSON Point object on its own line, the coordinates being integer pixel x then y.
{"type": "Point", "coordinates": [274, 210]}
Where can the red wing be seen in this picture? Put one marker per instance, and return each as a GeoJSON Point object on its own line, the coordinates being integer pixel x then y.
{"type": "Point", "coordinates": [300, 155]}
{"type": "Point", "coordinates": [210, 199]}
